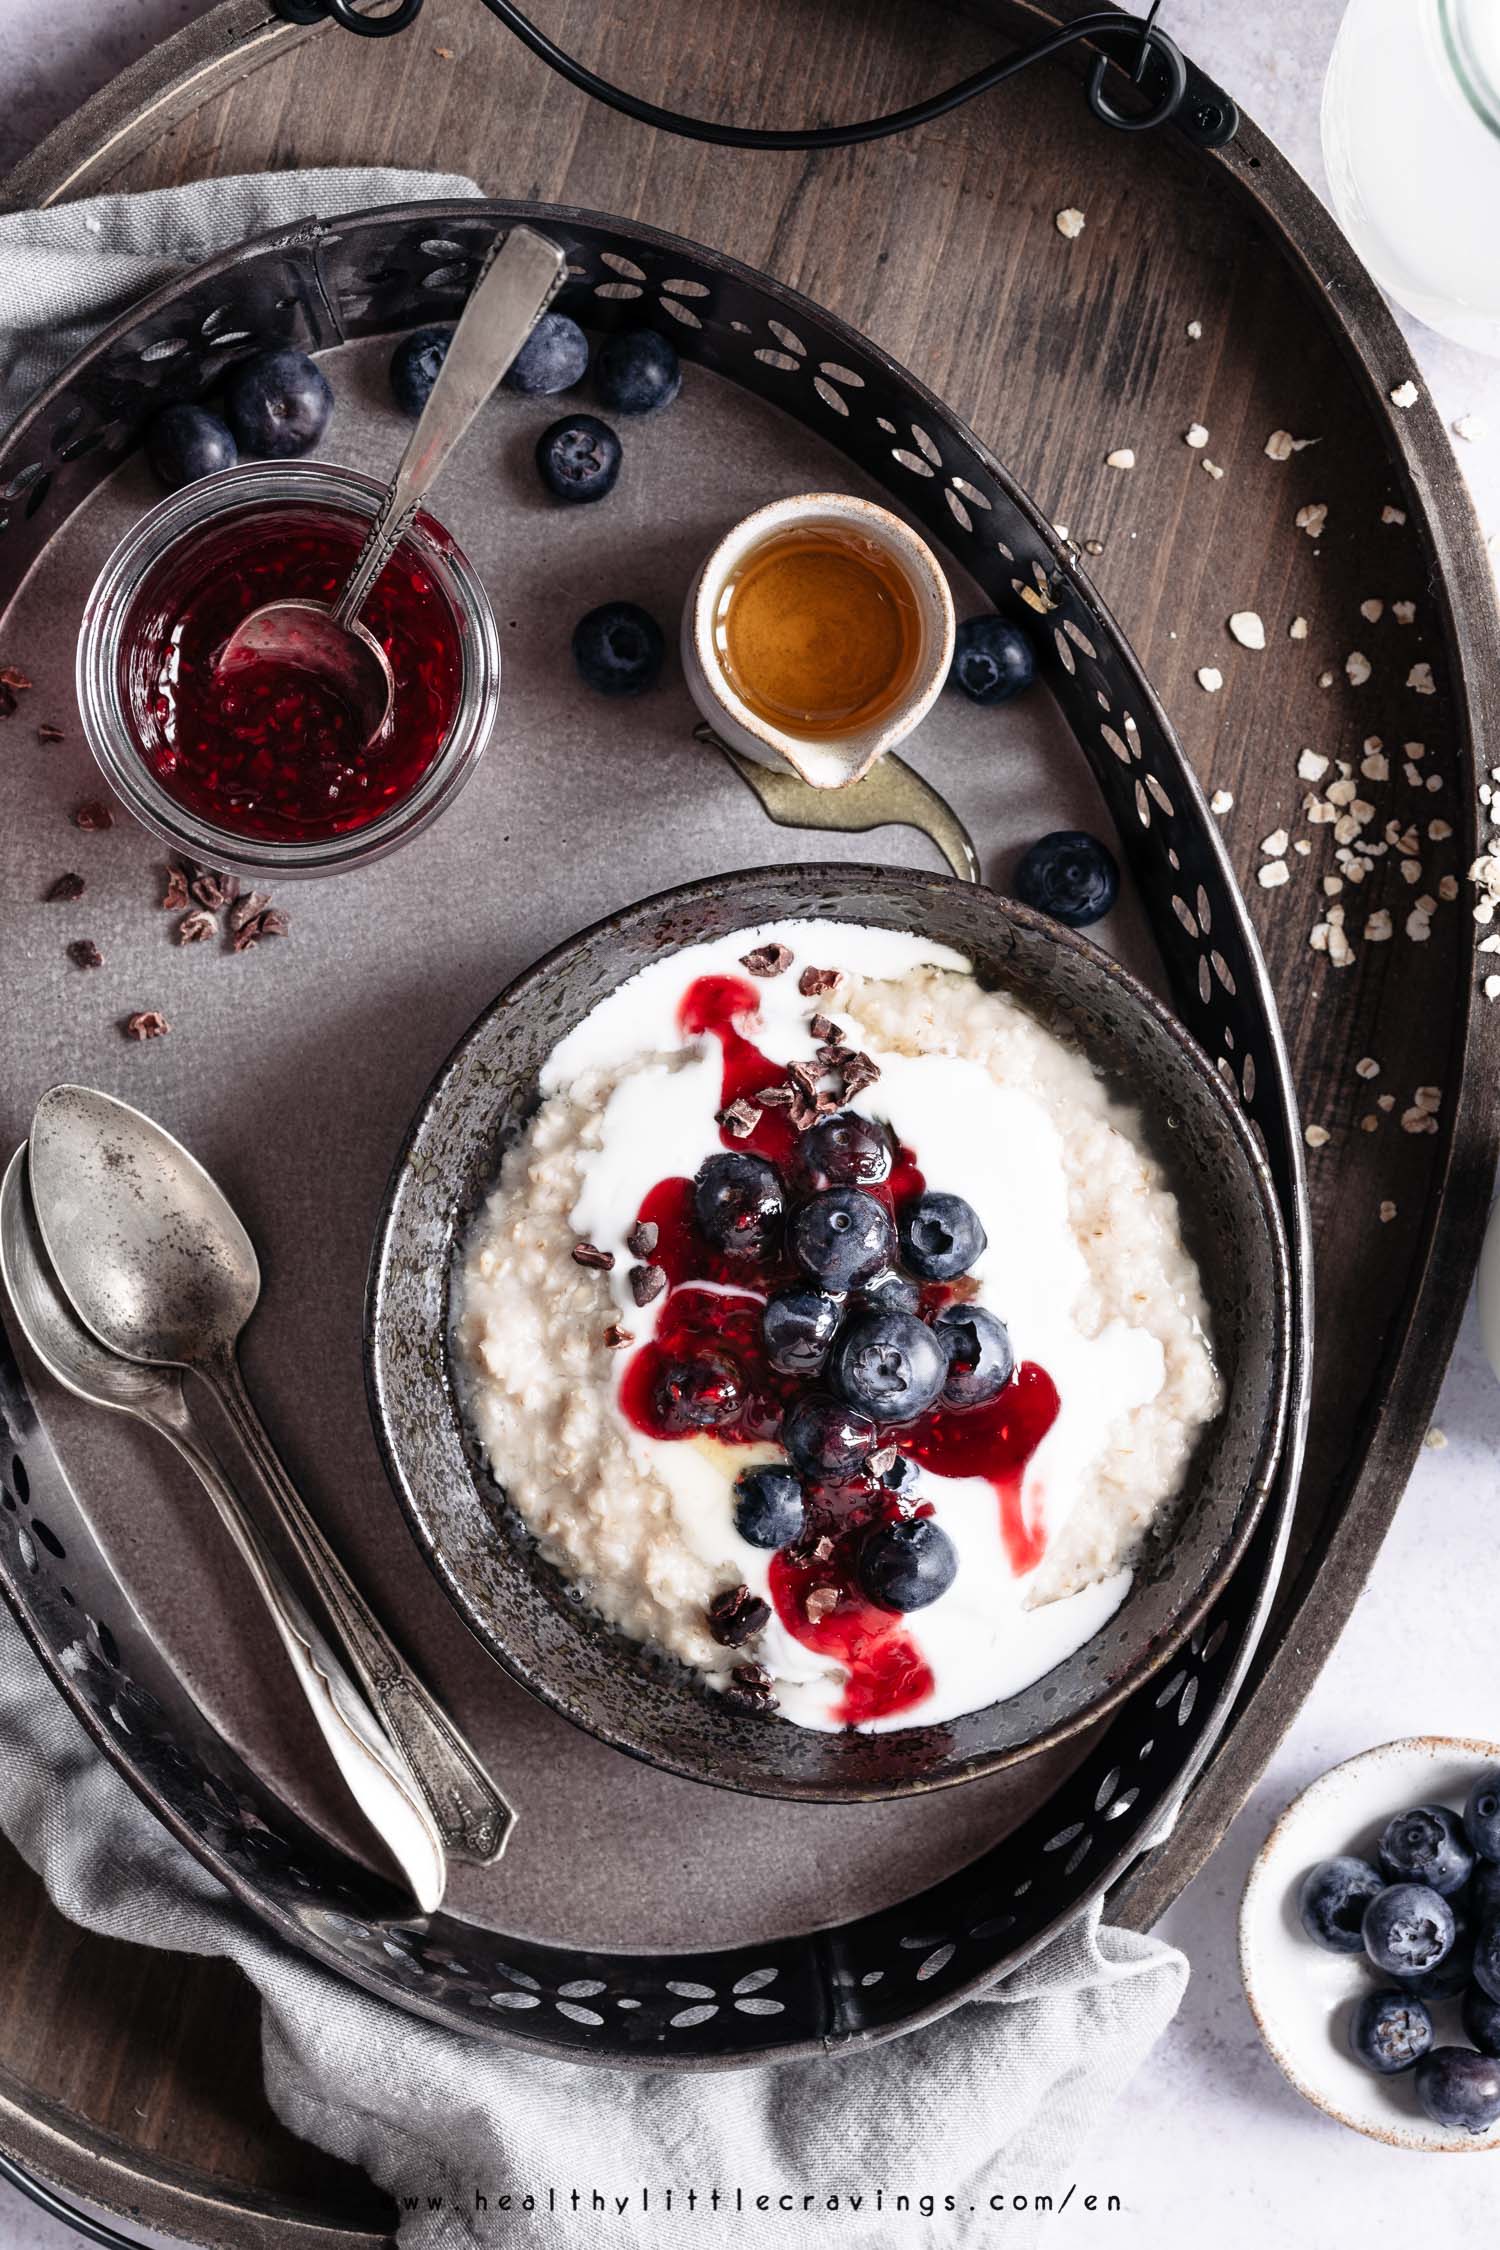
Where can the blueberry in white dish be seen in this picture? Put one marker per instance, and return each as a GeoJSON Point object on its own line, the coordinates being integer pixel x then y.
{"type": "Point", "coordinates": [1458, 2088]}
{"type": "Point", "coordinates": [907, 1564]}
{"type": "Point", "coordinates": [770, 1507]}
{"type": "Point", "coordinates": [1487, 1959]}
{"type": "Point", "coordinates": [1333, 1898]}
{"type": "Point", "coordinates": [414, 368]}
{"type": "Point", "coordinates": [1408, 1929]}
{"type": "Point", "coordinates": [977, 1347]}
{"type": "Point", "coordinates": [890, 1365]}
{"type": "Point", "coordinates": [578, 459]}
{"type": "Point", "coordinates": [842, 1237]}
{"type": "Point", "coordinates": [184, 443]}
{"type": "Point", "coordinates": [278, 404]}
{"type": "Point", "coordinates": [798, 1326]}
{"type": "Point", "coordinates": [1482, 1814]}
{"type": "Point", "coordinates": [1389, 2031]}
{"type": "Point", "coordinates": [553, 358]}
{"type": "Point", "coordinates": [1481, 2019]}
{"type": "Point", "coordinates": [941, 1236]}
{"type": "Point", "coordinates": [637, 371]}
{"type": "Point", "coordinates": [1452, 1975]}
{"type": "Point", "coordinates": [993, 660]}
{"type": "Point", "coordinates": [738, 1203]}
{"type": "Point", "coordinates": [1426, 1844]}
{"type": "Point", "coordinates": [618, 649]}
{"type": "Point", "coordinates": [1070, 876]}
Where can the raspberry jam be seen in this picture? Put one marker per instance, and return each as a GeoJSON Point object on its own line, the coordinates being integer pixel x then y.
{"type": "Point", "coordinates": [272, 754]}
{"type": "Point", "coordinates": [719, 1335]}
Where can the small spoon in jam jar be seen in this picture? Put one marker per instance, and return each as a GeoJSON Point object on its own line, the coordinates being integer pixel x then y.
{"type": "Point", "coordinates": [516, 284]}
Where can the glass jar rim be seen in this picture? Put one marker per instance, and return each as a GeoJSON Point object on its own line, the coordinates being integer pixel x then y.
{"type": "Point", "coordinates": [196, 507]}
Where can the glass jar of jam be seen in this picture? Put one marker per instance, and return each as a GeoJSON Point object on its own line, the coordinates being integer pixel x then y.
{"type": "Point", "coordinates": [266, 772]}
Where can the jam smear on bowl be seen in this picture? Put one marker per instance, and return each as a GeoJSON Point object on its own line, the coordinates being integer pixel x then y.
{"type": "Point", "coordinates": [271, 753]}
{"type": "Point", "coordinates": [705, 1374]}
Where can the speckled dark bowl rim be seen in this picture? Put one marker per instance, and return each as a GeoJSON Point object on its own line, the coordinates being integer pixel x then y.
{"type": "Point", "coordinates": [402, 1449]}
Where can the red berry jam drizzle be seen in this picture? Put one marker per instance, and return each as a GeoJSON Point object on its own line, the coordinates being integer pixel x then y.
{"type": "Point", "coordinates": [886, 1673]}
{"type": "Point", "coordinates": [271, 753]}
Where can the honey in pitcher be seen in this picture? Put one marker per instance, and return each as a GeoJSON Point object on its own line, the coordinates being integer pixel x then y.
{"type": "Point", "coordinates": [818, 630]}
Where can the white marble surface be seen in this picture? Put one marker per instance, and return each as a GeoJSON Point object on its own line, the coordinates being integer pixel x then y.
{"type": "Point", "coordinates": [1209, 2141]}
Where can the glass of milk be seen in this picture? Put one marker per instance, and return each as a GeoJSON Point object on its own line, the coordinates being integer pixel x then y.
{"type": "Point", "coordinates": [1411, 138]}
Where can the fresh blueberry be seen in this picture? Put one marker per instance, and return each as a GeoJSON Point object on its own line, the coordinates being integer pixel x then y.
{"type": "Point", "coordinates": [578, 458]}
{"type": "Point", "coordinates": [845, 1151]}
{"type": "Point", "coordinates": [618, 648]}
{"type": "Point", "coordinates": [889, 1364]}
{"type": "Point", "coordinates": [1333, 1899]}
{"type": "Point", "coordinates": [769, 1507]}
{"type": "Point", "coordinates": [1456, 1969]}
{"type": "Point", "coordinates": [1408, 1929]}
{"type": "Point", "coordinates": [1481, 2017]}
{"type": "Point", "coordinates": [637, 371]}
{"type": "Point", "coordinates": [1457, 2087]}
{"type": "Point", "coordinates": [278, 404]}
{"type": "Point", "coordinates": [1070, 876]}
{"type": "Point", "coordinates": [699, 1394]}
{"type": "Point", "coordinates": [1484, 1891]}
{"type": "Point", "coordinates": [842, 1237]}
{"type": "Point", "coordinates": [797, 1327]}
{"type": "Point", "coordinates": [552, 358]}
{"type": "Point", "coordinates": [992, 659]}
{"type": "Point", "coordinates": [414, 367]}
{"type": "Point", "coordinates": [184, 443]}
{"type": "Point", "coordinates": [1389, 2031]}
{"type": "Point", "coordinates": [891, 1292]}
{"type": "Point", "coordinates": [940, 1236]}
{"type": "Point", "coordinates": [827, 1439]}
{"type": "Point", "coordinates": [907, 1564]}
{"type": "Point", "coordinates": [1487, 1959]}
{"type": "Point", "coordinates": [980, 1359]}
{"type": "Point", "coordinates": [737, 1202]}
{"type": "Point", "coordinates": [1427, 1845]}
{"type": "Point", "coordinates": [1482, 1814]}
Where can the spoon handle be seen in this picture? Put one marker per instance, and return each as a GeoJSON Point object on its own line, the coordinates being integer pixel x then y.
{"type": "Point", "coordinates": [473, 1818]}
{"type": "Point", "coordinates": [516, 283]}
{"type": "Point", "coordinates": [378, 1776]}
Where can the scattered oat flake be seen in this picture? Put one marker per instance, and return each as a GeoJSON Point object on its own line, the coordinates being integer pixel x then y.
{"type": "Point", "coordinates": [1317, 1136]}
{"type": "Point", "coordinates": [1280, 445]}
{"type": "Point", "coordinates": [1312, 518]}
{"type": "Point", "coordinates": [1210, 468]}
{"type": "Point", "coordinates": [1247, 629]}
{"type": "Point", "coordinates": [1372, 612]}
{"type": "Point", "coordinates": [1274, 845]}
{"type": "Point", "coordinates": [1435, 1439]}
{"type": "Point", "coordinates": [1122, 458]}
{"type": "Point", "coordinates": [1378, 926]}
{"type": "Point", "coordinates": [1297, 630]}
{"type": "Point", "coordinates": [1367, 1067]}
{"type": "Point", "coordinates": [1357, 667]}
{"type": "Point", "coordinates": [1471, 426]}
{"type": "Point", "coordinates": [1210, 679]}
{"type": "Point", "coordinates": [1326, 679]}
{"type": "Point", "coordinates": [1420, 680]}
{"type": "Point", "coordinates": [1196, 436]}
{"type": "Point", "coordinates": [1439, 831]}
{"type": "Point", "coordinates": [1273, 874]}
{"type": "Point", "coordinates": [1405, 613]}
{"type": "Point", "coordinates": [1070, 223]}
{"type": "Point", "coordinates": [1492, 988]}
{"type": "Point", "coordinates": [1195, 330]}
{"type": "Point", "coordinates": [1221, 802]}
{"type": "Point", "coordinates": [1302, 847]}
{"type": "Point", "coordinates": [1311, 765]}
{"type": "Point", "coordinates": [1405, 394]}
{"type": "Point", "coordinates": [1392, 515]}
{"type": "Point", "coordinates": [1387, 1212]}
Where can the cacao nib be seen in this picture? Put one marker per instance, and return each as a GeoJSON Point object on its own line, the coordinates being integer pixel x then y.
{"type": "Point", "coordinates": [175, 897]}
{"type": "Point", "coordinates": [826, 1030]}
{"type": "Point", "coordinates": [47, 732]}
{"type": "Point", "coordinates": [146, 1023]}
{"type": "Point", "coordinates": [643, 1238]}
{"type": "Point", "coordinates": [820, 1600]}
{"type": "Point", "coordinates": [804, 1079]}
{"type": "Point", "coordinates": [67, 887]}
{"type": "Point", "coordinates": [195, 927]}
{"type": "Point", "coordinates": [84, 954]}
{"type": "Point", "coordinates": [93, 814]}
{"type": "Point", "coordinates": [814, 983]}
{"type": "Point", "coordinates": [739, 1119]}
{"type": "Point", "coordinates": [859, 1072]}
{"type": "Point", "coordinates": [213, 889]}
{"type": "Point", "coordinates": [270, 922]}
{"type": "Point", "coordinates": [589, 1254]}
{"type": "Point", "coordinates": [775, 1097]}
{"type": "Point", "coordinates": [616, 1336]}
{"type": "Point", "coordinates": [749, 1689]}
{"type": "Point", "coordinates": [247, 907]}
{"type": "Point", "coordinates": [767, 960]}
{"type": "Point", "coordinates": [647, 1283]}
{"type": "Point", "coordinates": [736, 1616]}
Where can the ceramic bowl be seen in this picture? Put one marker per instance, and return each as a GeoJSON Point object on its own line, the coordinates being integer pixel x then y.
{"type": "Point", "coordinates": [522, 1609]}
{"type": "Point", "coordinates": [1302, 1996]}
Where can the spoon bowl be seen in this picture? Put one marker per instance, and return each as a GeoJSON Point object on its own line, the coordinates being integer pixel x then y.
{"type": "Point", "coordinates": [345, 660]}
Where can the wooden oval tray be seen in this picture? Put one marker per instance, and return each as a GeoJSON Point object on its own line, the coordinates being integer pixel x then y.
{"type": "Point", "coordinates": [1059, 352]}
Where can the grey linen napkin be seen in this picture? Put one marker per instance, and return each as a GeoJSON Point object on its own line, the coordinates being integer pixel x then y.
{"type": "Point", "coordinates": [994, 2101]}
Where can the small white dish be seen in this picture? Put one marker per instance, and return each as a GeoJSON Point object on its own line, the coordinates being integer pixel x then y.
{"type": "Point", "coordinates": [832, 761]}
{"type": "Point", "coordinates": [1301, 1995]}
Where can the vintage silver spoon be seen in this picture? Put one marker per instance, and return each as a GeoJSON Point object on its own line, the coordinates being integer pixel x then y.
{"type": "Point", "coordinates": [149, 1253]}
{"type": "Point", "coordinates": [515, 286]}
{"type": "Point", "coordinates": [379, 1779]}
